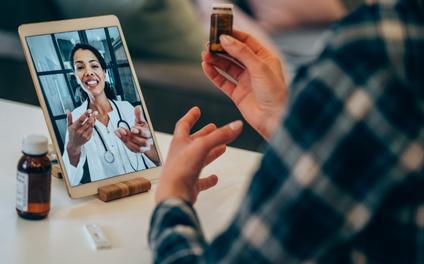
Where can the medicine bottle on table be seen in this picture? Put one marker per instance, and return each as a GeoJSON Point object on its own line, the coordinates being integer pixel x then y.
{"type": "Point", "coordinates": [221, 24]}
{"type": "Point", "coordinates": [33, 179]}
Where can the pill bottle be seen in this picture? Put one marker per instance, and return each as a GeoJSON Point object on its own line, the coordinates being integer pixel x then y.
{"type": "Point", "coordinates": [221, 23]}
{"type": "Point", "coordinates": [33, 179]}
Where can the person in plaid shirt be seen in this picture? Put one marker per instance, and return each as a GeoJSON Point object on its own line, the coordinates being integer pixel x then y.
{"type": "Point", "coordinates": [343, 178]}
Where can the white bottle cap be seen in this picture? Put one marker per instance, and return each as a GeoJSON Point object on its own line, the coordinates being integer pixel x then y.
{"type": "Point", "coordinates": [35, 145]}
{"type": "Point", "coordinates": [222, 6]}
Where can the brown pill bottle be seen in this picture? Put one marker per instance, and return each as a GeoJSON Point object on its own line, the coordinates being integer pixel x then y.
{"type": "Point", "coordinates": [221, 23]}
{"type": "Point", "coordinates": [33, 179]}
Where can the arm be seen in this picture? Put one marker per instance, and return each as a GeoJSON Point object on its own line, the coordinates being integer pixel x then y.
{"type": "Point", "coordinates": [75, 173]}
{"type": "Point", "coordinates": [318, 186]}
{"type": "Point", "coordinates": [309, 206]}
{"type": "Point", "coordinates": [78, 133]}
{"type": "Point", "coordinates": [153, 155]}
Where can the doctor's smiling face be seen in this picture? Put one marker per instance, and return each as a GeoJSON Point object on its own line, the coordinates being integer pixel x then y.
{"type": "Point", "coordinates": [89, 72]}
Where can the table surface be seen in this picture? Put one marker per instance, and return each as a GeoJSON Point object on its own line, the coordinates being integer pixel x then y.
{"type": "Point", "coordinates": [60, 237]}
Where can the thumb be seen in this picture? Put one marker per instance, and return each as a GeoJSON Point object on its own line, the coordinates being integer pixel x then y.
{"type": "Point", "coordinates": [139, 119]}
{"type": "Point", "coordinates": [207, 183]}
{"type": "Point", "coordinates": [240, 51]}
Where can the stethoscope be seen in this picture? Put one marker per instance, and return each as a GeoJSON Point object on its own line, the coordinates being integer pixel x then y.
{"type": "Point", "coordinates": [108, 156]}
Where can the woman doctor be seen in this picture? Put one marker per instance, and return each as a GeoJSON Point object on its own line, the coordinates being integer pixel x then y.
{"type": "Point", "coordinates": [99, 131]}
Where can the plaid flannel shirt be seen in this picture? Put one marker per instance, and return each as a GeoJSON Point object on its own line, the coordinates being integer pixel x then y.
{"type": "Point", "coordinates": [343, 179]}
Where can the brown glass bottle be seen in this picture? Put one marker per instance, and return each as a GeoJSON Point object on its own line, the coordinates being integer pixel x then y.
{"type": "Point", "coordinates": [221, 24]}
{"type": "Point", "coordinates": [33, 179]}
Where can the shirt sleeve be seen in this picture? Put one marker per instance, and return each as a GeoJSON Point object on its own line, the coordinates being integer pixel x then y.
{"type": "Point", "coordinates": [340, 149]}
{"type": "Point", "coordinates": [175, 234]}
{"type": "Point", "coordinates": [75, 174]}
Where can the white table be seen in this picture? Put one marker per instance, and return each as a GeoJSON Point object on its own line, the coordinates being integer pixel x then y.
{"type": "Point", "coordinates": [60, 237]}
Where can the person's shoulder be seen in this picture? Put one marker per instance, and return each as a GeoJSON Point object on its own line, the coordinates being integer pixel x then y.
{"type": "Point", "coordinates": [122, 103]}
{"type": "Point", "coordinates": [372, 11]}
{"type": "Point", "coordinates": [374, 20]}
{"type": "Point", "coordinates": [359, 24]}
{"type": "Point", "coordinates": [375, 34]}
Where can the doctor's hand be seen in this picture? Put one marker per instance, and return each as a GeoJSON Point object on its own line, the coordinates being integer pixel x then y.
{"type": "Point", "coordinates": [258, 88]}
{"type": "Point", "coordinates": [79, 133]}
{"type": "Point", "coordinates": [189, 153]}
{"type": "Point", "coordinates": [139, 138]}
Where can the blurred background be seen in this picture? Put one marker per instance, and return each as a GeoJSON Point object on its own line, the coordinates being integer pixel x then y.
{"type": "Point", "coordinates": [165, 39]}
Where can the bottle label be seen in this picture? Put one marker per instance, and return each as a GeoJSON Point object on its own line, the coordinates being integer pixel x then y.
{"type": "Point", "coordinates": [22, 192]}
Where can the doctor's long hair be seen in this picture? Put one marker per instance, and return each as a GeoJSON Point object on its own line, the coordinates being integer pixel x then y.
{"type": "Point", "coordinates": [110, 93]}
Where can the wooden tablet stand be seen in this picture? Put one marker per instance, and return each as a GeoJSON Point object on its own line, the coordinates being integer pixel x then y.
{"type": "Point", "coordinates": [114, 191]}
{"type": "Point", "coordinates": [123, 189]}
{"type": "Point", "coordinates": [56, 171]}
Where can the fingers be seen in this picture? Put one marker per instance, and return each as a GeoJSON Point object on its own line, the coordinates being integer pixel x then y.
{"type": "Point", "coordinates": [84, 118]}
{"type": "Point", "coordinates": [218, 80]}
{"type": "Point", "coordinates": [85, 131]}
{"type": "Point", "coordinates": [204, 131]}
{"type": "Point", "coordinates": [87, 117]}
{"type": "Point", "coordinates": [83, 134]}
{"type": "Point", "coordinates": [226, 64]}
{"type": "Point", "coordinates": [221, 136]}
{"type": "Point", "coordinates": [121, 132]}
{"type": "Point", "coordinates": [136, 148]}
{"type": "Point", "coordinates": [207, 183]}
{"type": "Point", "coordinates": [250, 41]}
{"type": "Point", "coordinates": [214, 154]}
{"type": "Point", "coordinates": [136, 132]}
{"type": "Point", "coordinates": [140, 131]}
{"type": "Point", "coordinates": [87, 124]}
{"type": "Point", "coordinates": [88, 133]}
{"type": "Point", "coordinates": [186, 123]}
{"type": "Point", "coordinates": [135, 143]}
{"type": "Point", "coordinates": [240, 51]}
{"type": "Point", "coordinates": [224, 59]}
{"type": "Point", "coordinates": [139, 141]}
{"type": "Point", "coordinates": [132, 145]}
{"type": "Point", "coordinates": [139, 119]}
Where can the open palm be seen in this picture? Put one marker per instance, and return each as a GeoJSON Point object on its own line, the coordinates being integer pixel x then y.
{"type": "Point", "coordinates": [255, 81]}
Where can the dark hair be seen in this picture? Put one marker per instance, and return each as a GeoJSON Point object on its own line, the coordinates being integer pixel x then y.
{"type": "Point", "coordinates": [110, 93]}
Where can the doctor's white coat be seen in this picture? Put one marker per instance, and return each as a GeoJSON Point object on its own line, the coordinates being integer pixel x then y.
{"type": "Point", "coordinates": [92, 152]}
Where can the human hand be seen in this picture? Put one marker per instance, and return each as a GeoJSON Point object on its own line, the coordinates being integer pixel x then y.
{"type": "Point", "coordinates": [80, 133]}
{"type": "Point", "coordinates": [139, 138]}
{"type": "Point", "coordinates": [258, 87]}
{"type": "Point", "coordinates": [188, 154]}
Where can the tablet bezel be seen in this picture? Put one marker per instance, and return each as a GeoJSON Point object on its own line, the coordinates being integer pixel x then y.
{"type": "Point", "coordinates": [35, 29]}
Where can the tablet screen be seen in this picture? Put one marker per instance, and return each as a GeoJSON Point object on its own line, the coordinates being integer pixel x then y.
{"type": "Point", "coordinates": [93, 103]}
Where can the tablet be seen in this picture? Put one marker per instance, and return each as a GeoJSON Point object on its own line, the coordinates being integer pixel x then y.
{"type": "Point", "coordinates": [92, 102]}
